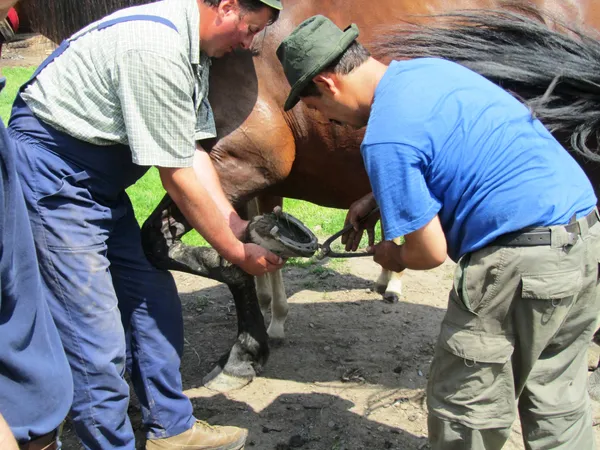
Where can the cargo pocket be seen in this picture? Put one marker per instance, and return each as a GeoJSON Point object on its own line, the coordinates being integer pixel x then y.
{"type": "Point", "coordinates": [471, 380]}
{"type": "Point", "coordinates": [551, 286]}
{"type": "Point", "coordinates": [459, 291]}
{"type": "Point", "coordinates": [477, 279]}
{"type": "Point", "coordinates": [71, 216]}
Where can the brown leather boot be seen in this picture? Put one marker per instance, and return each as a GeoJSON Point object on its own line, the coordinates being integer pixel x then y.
{"type": "Point", "coordinates": [202, 436]}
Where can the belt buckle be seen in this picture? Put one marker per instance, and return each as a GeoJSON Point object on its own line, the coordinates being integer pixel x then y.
{"type": "Point", "coordinates": [572, 238]}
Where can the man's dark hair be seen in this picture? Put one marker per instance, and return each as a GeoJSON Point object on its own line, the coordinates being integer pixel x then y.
{"type": "Point", "coordinates": [352, 57]}
{"type": "Point", "coordinates": [247, 6]}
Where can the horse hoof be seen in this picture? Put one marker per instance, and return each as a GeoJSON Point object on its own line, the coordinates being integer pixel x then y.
{"type": "Point", "coordinates": [275, 342]}
{"type": "Point", "coordinates": [390, 297]}
{"type": "Point", "coordinates": [380, 288]}
{"type": "Point", "coordinates": [276, 332]}
{"type": "Point", "coordinates": [218, 381]}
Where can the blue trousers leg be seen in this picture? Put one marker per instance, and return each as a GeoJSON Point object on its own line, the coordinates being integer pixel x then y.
{"type": "Point", "coordinates": [152, 319]}
{"type": "Point", "coordinates": [70, 230]}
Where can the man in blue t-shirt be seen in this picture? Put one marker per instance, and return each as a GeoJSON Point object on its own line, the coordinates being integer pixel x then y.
{"type": "Point", "coordinates": [462, 169]}
{"type": "Point", "coordinates": [36, 388]}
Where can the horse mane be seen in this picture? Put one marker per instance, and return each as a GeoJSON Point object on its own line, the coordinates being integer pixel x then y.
{"type": "Point", "coordinates": [556, 73]}
{"type": "Point", "coordinates": [59, 19]}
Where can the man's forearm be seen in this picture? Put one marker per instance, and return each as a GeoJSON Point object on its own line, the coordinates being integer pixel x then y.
{"type": "Point", "coordinates": [196, 204]}
{"type": "Point", "coordinates": [409, 258]}
{"type": "Point", "coordinates": [423, 249]}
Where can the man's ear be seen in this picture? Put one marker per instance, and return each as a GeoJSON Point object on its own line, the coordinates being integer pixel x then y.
{"type": "Point", "coordinates": [326, 83]}
{"type": "Point", "coordinates": [225, 7]}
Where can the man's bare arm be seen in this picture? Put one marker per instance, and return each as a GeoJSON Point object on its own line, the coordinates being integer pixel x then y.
{"type": "Point", "coordinates": [200, 210]}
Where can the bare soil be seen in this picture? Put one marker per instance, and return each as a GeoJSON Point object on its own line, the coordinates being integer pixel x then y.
{"type": "Point", "coordinates": [350, 375]}
{"type": "Point", "coordinates": [28, 50]}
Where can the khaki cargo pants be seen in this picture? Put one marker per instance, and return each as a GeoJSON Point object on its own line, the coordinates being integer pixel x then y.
{"type": "Point", "coordinates": [515, 336]}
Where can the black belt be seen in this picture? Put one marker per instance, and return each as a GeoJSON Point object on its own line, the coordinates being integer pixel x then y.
{"type": "Point", "coordinates": [541, 235]}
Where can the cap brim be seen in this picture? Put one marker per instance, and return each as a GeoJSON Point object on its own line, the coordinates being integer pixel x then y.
{"type": "Point", "coordinates": [275, 4]}
{"type": "Point", "coordinates": [349, 36]}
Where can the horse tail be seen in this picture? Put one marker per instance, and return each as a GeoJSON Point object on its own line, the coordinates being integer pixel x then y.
{"type": "Point", "coordinates": [555, 73]}
{"type": "Point", "coordinates": [59, 19]}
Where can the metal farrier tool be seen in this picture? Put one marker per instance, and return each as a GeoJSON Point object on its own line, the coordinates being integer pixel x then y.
{"type": "Point", "coordinates": [325, 248]}
{"type": "Point", "coordinates": [284, 235]}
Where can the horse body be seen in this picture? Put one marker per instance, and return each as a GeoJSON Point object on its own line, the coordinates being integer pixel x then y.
{"type": "Point", "coordinates": [298, 154]}
{"type": "Point", "coordinates": [262, 150]}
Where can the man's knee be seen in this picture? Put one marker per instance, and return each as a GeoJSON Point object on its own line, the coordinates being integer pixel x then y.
{"type": "Point", "coordinates": [560, 430]}
{"type": "Point", "coordinates": [450, 435]}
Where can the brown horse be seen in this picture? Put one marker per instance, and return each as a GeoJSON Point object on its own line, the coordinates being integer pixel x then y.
{"type": "Point", "coordinates": [261, 150]}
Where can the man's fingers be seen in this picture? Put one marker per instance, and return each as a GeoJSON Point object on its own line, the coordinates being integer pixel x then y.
{"type": "Point", "coordinates": [272, 258]}
{"type": "Point", "coordinates": [357, 239]}
{"type": "Point", "coordinates": [273, 267]}
{"type": "Point", "coordinates": [371, 234]}
{"type": "Point", "coordinates": [348, 239]}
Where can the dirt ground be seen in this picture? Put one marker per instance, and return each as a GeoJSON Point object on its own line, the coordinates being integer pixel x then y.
{"type": "Point", "coordinates": [350, 375]}
{"type": "Point", "coordinates": [27, 50]}
{"type": "Point", "coordinates": [352, 371]}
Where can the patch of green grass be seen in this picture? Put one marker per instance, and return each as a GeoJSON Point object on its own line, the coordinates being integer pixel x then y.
{"type": "Point", "coordinates": [302, 263]}
{"type": "Point", "coordinates": [145, 196]}
{"type": "Point", "coordinates": [321, 220]}
{"type": "Point", "coordinates": [148, 191]}
{"type": "Point", "coordinates": [309, 284]}
{"type": "Point", "coordinates": [15, 77]}
{"type": "Point", "coordinates": [338, 264]}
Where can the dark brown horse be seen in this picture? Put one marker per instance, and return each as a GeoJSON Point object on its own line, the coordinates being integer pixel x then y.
{"type": "Point", "coordinates": [261, 150]}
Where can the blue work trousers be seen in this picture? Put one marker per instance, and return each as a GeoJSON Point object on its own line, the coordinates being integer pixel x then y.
{"type": "Point", "coordinates": [105, 297]}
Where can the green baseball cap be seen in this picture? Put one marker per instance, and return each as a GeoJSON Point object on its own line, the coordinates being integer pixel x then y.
{"type": "Point", "coordinates": [309, 49]}
{"type": "Point", "coordinates": [275, 4]}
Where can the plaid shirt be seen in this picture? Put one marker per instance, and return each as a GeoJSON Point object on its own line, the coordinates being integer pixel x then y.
{"type": "Point", "coordinates": [136, 83]}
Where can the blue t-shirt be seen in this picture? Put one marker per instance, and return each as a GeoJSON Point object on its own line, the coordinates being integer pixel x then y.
{"type": "Point", "coordinates": [36, 388]}
{"type": "Point", "coordinates": [443, 140]}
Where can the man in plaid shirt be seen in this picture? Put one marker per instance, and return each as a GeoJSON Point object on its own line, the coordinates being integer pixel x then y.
{"type": "Point", "coordinates": [121, 95]}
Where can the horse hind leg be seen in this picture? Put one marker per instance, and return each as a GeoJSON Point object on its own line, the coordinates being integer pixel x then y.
{"type": "Point", "coordinates": [264, 293]}
{"type": "Point", "coordinates": [279, 307]}
{"type": "Point", "coordinates": [389, 284]}
{"type": "Point", "coordinates": [264, 290]}
{"type": "Point", "coordinates": [270, 288]}
{"type": "Point", "coordinates": [393, 291]}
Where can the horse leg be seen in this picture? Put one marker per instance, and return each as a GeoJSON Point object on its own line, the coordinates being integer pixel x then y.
{"type": "Point", "coordinates": [269, 287]}
{"type": "Point", "coordinates": [264, 293]}
{"type": "Point", "coordinates": [161, 239]}
{"type": "Point", "coordinates": [382, 281]}
{"type": "Point", "coordinates": [238, 367]}
{"type": "Point", "coordinates": [389, 284]}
